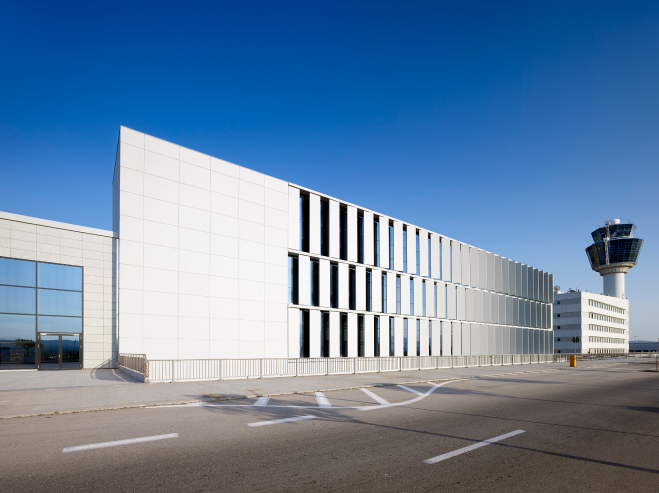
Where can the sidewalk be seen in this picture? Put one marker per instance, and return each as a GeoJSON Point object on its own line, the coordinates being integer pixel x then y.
{"type": "Point", "coordinates": [126, 394]}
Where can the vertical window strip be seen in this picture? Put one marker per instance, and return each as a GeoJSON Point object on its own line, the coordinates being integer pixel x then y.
{"type": "Point", "coordinates": [391, 246]}
{"type": "Point", "coordinates": [384, 292]}
{"type": "Point", "coordinates": [418, 337]}
{"type": "Point", "coordinates": [405, 249]}
{"type": "Point", "coordinates": [418, 255]}
{"type": "Point", "coordinates": [376, 242]}
{"type": "Point", "coordinates": [404, 337]}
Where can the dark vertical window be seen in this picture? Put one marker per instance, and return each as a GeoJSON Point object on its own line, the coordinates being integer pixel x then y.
{"type": "Point", "coordinates": [314, 274]}
{"type": "Point", "coordinates": [398, 295]}
{"type": "Point", "coordinates": [404, 337]}
{"type": "Point", "coordinates": [304, 223]}
{"type": "Point", "coordinates": [292, 280]}
{"type": "Point", "coordinates": [418, 337]}
{"type": "Point", "coordinates": [324, 228]}
{"type": "Point", "coordinates": [343, 226]}
{"type": "Point", "coordinates": [324, 334]}
{"type": "Point", "coordinates": [424, 298]}
{"type": "Point", "coordinates": [429, 337]}
{"type": "Point", "coordinates": [392, 340]}
{"type": "Point", "coordinates": [418, 255]}
{"type": "Point", "coordinates": [353, 289]}
{"type": "Point", "coordinates": [411, 296]}
{"type": "Point", "coordinates": [360, 336]}
{"type": "Point", "coordinates": [376, 242]}
{"type": "Point", "coordinates": [304, 333]}
{"type": "Point", "coordinates": [384, 292]}
{"type": "Point", "coordinates": [376, 336]}
{"type": "Point", "coordinates": [344, 335]}
{"type": "Point", "coordinates": [405, 249]}
{"type": "Point", "coordinates": [360, 237]}
{"type": "Point", "coordinates": [391, 246]}
{"type": "Point", "coordinates": [334, 286]}
{"type": "Point", "coordinates": [369, 291]}
{"type": "Point", "coordinates": [429, 258]}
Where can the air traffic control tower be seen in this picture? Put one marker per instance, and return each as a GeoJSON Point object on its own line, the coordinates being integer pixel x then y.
{"type": "Point", "coordinates": [614, 252]}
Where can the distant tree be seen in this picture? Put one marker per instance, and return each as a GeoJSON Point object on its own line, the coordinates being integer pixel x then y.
{"type": "Point", "coordinates": [25, 344]}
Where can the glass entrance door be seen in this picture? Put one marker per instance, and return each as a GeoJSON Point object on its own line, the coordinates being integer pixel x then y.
{"type": "Point", "coordinates": [59, 351]}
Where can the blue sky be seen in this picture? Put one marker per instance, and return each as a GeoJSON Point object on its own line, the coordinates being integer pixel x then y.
{"type": "Point", "coordinates": [517, 127]}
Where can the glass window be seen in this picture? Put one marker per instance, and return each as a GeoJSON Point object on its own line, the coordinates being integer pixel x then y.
{"type": "Point", "coordinates": [59, 324]}
{"type": "Point", "coordinates": [360, 336]}
{"type": "Point", "coordinates": [304, 223]}
{"type": "Point", "coordinates": [344, 335]}
{"type": "Point", "coordinates": [392, 341]}
{"type": "Point", "coordinates": [17, 342]}
{"type": "Point", "coordinates": [398, 295]}
{"type": "Point", "coordinates": [369, 291]}
{"type": "Point", "coordinates": [324, 228]}
{"type": "Point", "coordinates": [59, 303]}
{"type": "Point", "coordinates": [352, 294]}
{"type": "Point", "coordinates": [292, 280]}
{"type": "Point", "coordinates": [404, 249]}
{"type": "Point", "coordinates": [418, 337]}
{"type": "Point", "coordinates": [360, 237]}
{"type": "Point", "coordinates": [334, 286]}
{"type": "Point", "coordinates": [17, 272]}
{"type": "Point", "coordinates": [314, 273]}
{"type": "Point", "coordinates": [391, 246]}
{"type": "Point", "coordinates": [404, 337]}
{"type": "Point", "coordinates": [384, 292]}
{"type": "Point", "coordinates": [376, 242]}
{"type": "Point", "coordinates": [343, 224]}
{"type": "Point", "coordinates": [55, 276]}
{"type": "Point", "coordinates": [325, 334]}
{"type": "Point", "coordinates": [17, 300]}
{"type": "Point", "coordinates": [376, 336]}
{"type": "Point", "coordinates": [304, 333]}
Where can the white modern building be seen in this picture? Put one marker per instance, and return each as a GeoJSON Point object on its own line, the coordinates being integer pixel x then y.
{"type": "Point", "coordinates": [600, 322]}
{"type": "Point", "coordinates": [210, 260]}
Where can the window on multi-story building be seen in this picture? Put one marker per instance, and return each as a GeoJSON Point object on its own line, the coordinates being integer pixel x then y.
{"type": "Point", "coordinates": [360, 336]}
{"type": "Point", "coordinates": [343, 229]}
{"type": "Point", "coordinates": [325, 334]}
{"type": "Point", "coordinates": [418, 337]}
{"type": "Point", "coordinates": [352, 293]}
{"type": "Point", "coordinates": [324, 228]}
{"type": "Point", "coordinates": [411, 296]}
{"type": "Point", "coordinates": [314, 274]}
{"type": "Point", "coordinates": [344, 335]}
{"type": "Point", "coordinates": [304, 333]}
{"type": "Point", "coordinates": [384, 292]}
{"type": "Point", "coordinates": [404, 337]}
{"type": "Point", "coordinates": [304, 223]}
{"type": "Point", "coordinates": [391, 246]}
{"type": "Point", "coordinates": [293, 280]}
{"type": "Point", "coordinates": [376, 242]}
{"type": "Point", "coordinates": [369, 291]}
{"type": "Point", "coordinates": [405, 249]}
{"type": "Point", "coordinates": [360, 237]}
{"type": "Point", "coordinates": [398, 295]}
{"type": "Point", "coordinates": [376, 336]}
{"type": "Point", "coordinates": [392, 340]}
{"type": "Point", "coordinates": [334, 286]}
{"type": "Point", "coordinates": [418, 255]}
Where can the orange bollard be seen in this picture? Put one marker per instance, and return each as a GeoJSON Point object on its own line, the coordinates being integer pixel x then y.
{"type": "Point", "coordinates": [573, 360]}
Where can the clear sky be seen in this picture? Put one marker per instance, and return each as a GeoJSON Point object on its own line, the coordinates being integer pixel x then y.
{"type": "Point", "coordinates": [517, 127]}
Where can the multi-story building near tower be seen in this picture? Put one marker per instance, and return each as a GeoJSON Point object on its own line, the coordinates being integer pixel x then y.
{"type": "Point", "coordinates": [209, 260]}
{"type": "Point", "coordinates": [601, 322]}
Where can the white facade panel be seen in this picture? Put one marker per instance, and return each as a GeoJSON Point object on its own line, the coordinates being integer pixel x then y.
{"type": "Point", "coordinates": [352, 335]}
{"type": "Point", "coordinates": [498, 274]}
{"type": "Point", "coordinates": [398, 246]}
{"type": "Point", "coordinates": [434, 254]}
{"type": "Point", "coordinates": [482, 269]}
{"type": "Point", "coordinates": [314, 223]}
{"type": "Point", "coordinates": [335, 334]}
{"type": "Point", "coordinates": [352, 233]}
{"type": "Point", "coordinates": [478, 306]}
{"type": "Point", "coordinates": [411, 336]}
{"type": "Point", "coordinates": [384, 243]}
{"type": "Point", "coordinates": [324, 282]}
{"type": "Point", "coordinates": [487, 307]}
{"type": "Point", "coordinates": [505, 270]}
{"type": "Point", "coordinates": [473, 264]}
{"type": "Point", "coordinates": [436, 345]}
{"type": "Point", "coordinates": [411, 250]}
{"type": "Point", "coordinates": [446, 338]}
{"type": "Point", "coordinates": [405, 295]}
{"type": "Point", "coordinates": [457, 338]}
{"type": "Point", "coordinates": [469, 305]}
{"type": "Point", "coordinates": [294, 218]}
{"type": "Point", "coordinates": [465, 261]}
{"type": "Point", "coordinates": [451, 296]}
{"type": "Point", "coordinates": [418, 297]}
{"type": "Point", "coordinates": [424, 338]}
{"type": "Point", "coordinates": [344, 286]}
{"type": "Point", "coordinates": [446, 259]}
{"type": "Point", "coordinates": [456, 263]}
{"type": "Point", "coordinates": [293, 333]}
{"type": "Point", "coordinates": [423, 253]}
{"type": "Point", "coordinates": [314, 333]}
{"type": "Point", "coordinates": [461, 309]}
{"type": "Point", "coordinates": [398, 336]}
{"type": "Point", "coordinates": [491, 281]}
{"type": "Point", "coordinates": [441, 300]}
{"type": "Point", "coordinates": [466, 339]}
{"type": "Point", "coordinates": [430, 298]}
{"type": "Point", "coordinates": [391, 292]}
{"type": "Point", "coordinates": [376, 289]}
{"type": "Point", "coordinates": [361, 287]}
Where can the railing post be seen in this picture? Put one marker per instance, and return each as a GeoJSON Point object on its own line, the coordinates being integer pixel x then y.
{"type": "Point", "coordinates": [172, 370]}
{"type": "Point", "coordinates": [219, 369]}
{"type": "Point", "coordinates": [354, 365]}
{"type": "Point", "coordinates": [260, 367]}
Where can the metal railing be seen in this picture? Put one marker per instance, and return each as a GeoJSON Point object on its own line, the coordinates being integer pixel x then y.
{"type": "Point", "coordinates": [225, 369]}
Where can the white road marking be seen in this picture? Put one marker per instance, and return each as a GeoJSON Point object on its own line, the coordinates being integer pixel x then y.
{"type": "Point", "coordinates": [410, 390]}
{"type": "Point", "coordinates": [375, 397]}
{"type": "Point", "coordinates": [78, 448]}
{"type": "Point", "coordinates": [475, 446]}
{"type": "Point", "coordinates": [262, 401]}
{"type": "Point", "coordinates": [322, 400]}
{"type": "Point", "coordinates": [277, 421]}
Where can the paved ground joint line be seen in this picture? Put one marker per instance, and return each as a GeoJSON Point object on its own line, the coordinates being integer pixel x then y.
{"type": "Point", "coordinates": [117, 443]}
{"type": "Point", "coordinates": [277, 421]}
{"type": "Point", "coordinates": [475, 446]}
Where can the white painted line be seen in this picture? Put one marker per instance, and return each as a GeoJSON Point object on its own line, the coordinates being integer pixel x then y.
{"type": "Point", "coordinates": [277, 421]}
{"type": "Point", "coordinates": [78, 448]}
{"type": "Point", "coordinates": [262, 401]}
{"type": "Point", "coordinates": [375, 397]}
{"type": "Point", "coordinates": [448, 455]}
{"type": "Point", "coordinates": [322, 400]}
{"type": "Point", "coordinates": [410, 390]}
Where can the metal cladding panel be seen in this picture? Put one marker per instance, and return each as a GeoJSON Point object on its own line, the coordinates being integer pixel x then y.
{"type": "Point", "coordinates": [525, 281]}
{"type": "Point", "coordinates": [451, 302]}
{"type": "Point", "coordinates": [502, 309]}
{"type": "Point", "coordinates": [434, 256]}
{"type": "Point", "coordinates": [536, 284]}
{"type": "Point", "coordinates": [423, 252]}
{"type": "Point", "coordinates": [398, 336]}
{"type": "Point", "coordinates": [457, 338]}
{"type": "Point", "coordinates": [527, 313]}
{"type": "Point", "coordinates": [536, 341]}
{"type": "Point", "coordinates": [461, 315]}
{"type": "Point", "coordinates": [314, 224]}
{"type": "Point", "coordinates": [515, 311]}
{"type": "Point", "coordinates": [525, 336]}
{"type": "Point", "coordinates": [294, 218]}
{"type": "Point", "coordinates": [456, 267]}
{"type": "Point", "coordinates": [425, 339]}
{"type": "Point", "coordinates": [464, 258]}
{"type": "Point", "coordinates": [436, 346]}
{"type": "Point", "coordinates": [430, 298]}
{"type": "Point", "coordinates": [506, 340]}
{"type": "Point", "coordinates": [376, 283]}
{"type": "Point", "coordinates": [482, 269]}
{"type": "Point", "coordinates": [511, 278]}
{"type": "Point", "coordinates": [498, 274]}
{"type": "Point", "coordinates": [509, 310]}
{"type": "Point", "coordinates": [551, 288]}
{"type": "Point", "coordinates": [486, 339]}
{"type": "Point", "coordinates": [446, 338]}
{"type": "Point", "coordinates": [469, 304]}
{"type": "Point", "coordinates": [360, 272]}
{"type": "Point", "coordinates": [530, 284]}
{"type": "Point", "coordinates": [293, 333]}
{"type": "Point", "coordinates": [314, 333]}
{"type": "Point", "coordinates": [384, 336]}
{"type": "Point", "coordinates": [411, 250]}
{"type": "Point", "coordinates": [473, 271]}
{"type": "Point", "coordinates": [335, 334]}
{"type": "Point", "coordinates": [352, 236]}
{"type": "Point", "coordinates": [518, 280]}
{"type": "Point", "coordinates": [543, 316]}
{"type": "Point", "coordinates": [487, 307]}
{"type": "Point", "coordinates": [446, 259]}
{"type": "Point", "coordinates": [541, 334]}
{"type": "Point", "coordinates": [520, 340]}
{"type": "Point", "coordinates": [541, 285]}
{"type": "Point", "coordinates": [324, 282]}
{"type": "Point", "coordinates": [504, 276]}
{"type": "Point", "coordinates": [513, 339]}
{"type": "Point", "coordinates": [534, 314]}
{"type": "Point", "coordinates": [405, 294]}
{"type": "Point", "coordinates": [398, 246]}
{"type": "Point", "coordinates": [418, 297]}
{"type": "Point", "coordinates": [548, 288]}
{"type": "Point", "coordinates": [411, 336]}
{"type": "Point", "coordinates": [334, 229]}
{"type": "Point", "coordinates": [491, 281]}
{"type": "Point", "coordinates": [466, 339]}
{"type": "Point", "coordinates": [475, 338]}
{"type": "Point", "coordinates": [391, 292]}
{"type": "Point", "coordinates": [441, 300]}
{"type": "Point", "coordinates": [478, 305]}
{"type": "Point", "coordinates": [494, 306]}
{"type": "Point", "coordinates": [497, 332]}
{"type": "Point", "coordinates": [384, 243]}
{"type": "Point", "coordinates": [369, 336]}
{"type": "Point", "coordinates": [304, 280]}
{"type": "Point", "coordinates": [369, 245]}
{"type": "Point", "coordinates": [352, 335]}
{"type": "Point", "coordinates": [344, 288]}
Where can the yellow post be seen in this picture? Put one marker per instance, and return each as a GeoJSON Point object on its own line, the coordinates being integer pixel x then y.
{"type": "Point", "coordinates": [573, 360]}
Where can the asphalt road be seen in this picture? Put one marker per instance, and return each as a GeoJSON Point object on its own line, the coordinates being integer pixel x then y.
{"type": "Point", "coordinates": [591, 429]}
